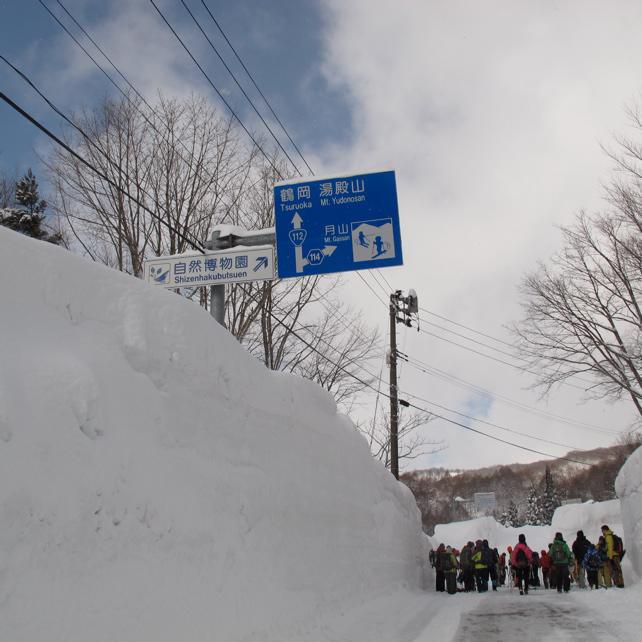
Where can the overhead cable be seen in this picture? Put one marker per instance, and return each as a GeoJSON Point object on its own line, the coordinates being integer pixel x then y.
{"type": "Point", "coordinates": [195, 244]}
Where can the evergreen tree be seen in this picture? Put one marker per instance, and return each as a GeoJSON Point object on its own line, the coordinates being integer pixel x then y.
{"type": "Point", "coordinates": [27, 194]}
{"type": "Point", "coordinates": [510, 517]}
{"type": "Point", "coordinates": [29, 215]}
{"type": "Point", "coordinates": [550, 498]}
{"type": "Point", "coordinates": [534, 513]}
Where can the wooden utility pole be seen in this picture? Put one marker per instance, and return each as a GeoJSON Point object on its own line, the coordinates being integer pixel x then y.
{"type": "Point", "coordinates": [401, 310]}
{"type": "Point", "coordinates": [394, 399]}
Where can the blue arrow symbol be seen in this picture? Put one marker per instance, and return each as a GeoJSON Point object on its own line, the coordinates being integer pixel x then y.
{"type": "Point", "coordinates": [261, 263]}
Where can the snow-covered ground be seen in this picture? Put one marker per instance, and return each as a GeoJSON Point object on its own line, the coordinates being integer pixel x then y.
{"type": "Point", "coordinates": [159, 484]}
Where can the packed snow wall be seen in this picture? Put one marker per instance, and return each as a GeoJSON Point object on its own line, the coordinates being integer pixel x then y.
{"type": "Point", "coordinates": [158, 483]}
{"type": "Point", "coordinates": [567, 519]}
{"type": "Point", "coordinates": [628, 486]}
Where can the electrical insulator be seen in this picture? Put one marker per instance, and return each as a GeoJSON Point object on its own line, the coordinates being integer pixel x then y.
{"type": "Point", "coordinates": [413, 302]}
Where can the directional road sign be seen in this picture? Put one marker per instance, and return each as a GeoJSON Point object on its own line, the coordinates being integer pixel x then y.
{"type": "Point", "coordinates": [235, 265]}
{"type": "Point", "coordinates": [337, 224]}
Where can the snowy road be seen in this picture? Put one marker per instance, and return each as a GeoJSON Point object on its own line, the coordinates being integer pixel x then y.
{"type": "Point", "coordinates": [541, 615]}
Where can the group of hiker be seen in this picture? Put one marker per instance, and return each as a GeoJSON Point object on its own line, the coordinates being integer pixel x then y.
{"type": "Point", "coordinates": [477, 564]}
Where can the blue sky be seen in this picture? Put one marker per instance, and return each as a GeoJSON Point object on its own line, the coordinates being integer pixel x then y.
{"type": "Point", "coordinates": [492, 114]}
{"type": "Point", "coordinates": [280, 42]}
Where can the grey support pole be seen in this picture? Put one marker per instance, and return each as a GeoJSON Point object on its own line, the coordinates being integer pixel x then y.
{"type": "Point", "coordinates": [394, 399]}
{"type": "Point", "coordinates": [218, 242]}
{"type": "Point", "coordinates": [217, 303]}
{"type": "Point", "coordinates": [217, 292]}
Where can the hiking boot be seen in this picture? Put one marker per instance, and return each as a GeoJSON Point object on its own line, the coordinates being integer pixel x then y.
{"type": "Point", "coordinates": [521, 592]}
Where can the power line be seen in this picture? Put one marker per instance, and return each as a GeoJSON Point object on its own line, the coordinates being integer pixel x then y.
{"type": "Point", "coordinates": [436, 372]}
{"type": "Point", "coordinates": [115, 67]}
{"type": "Point", "coordinates": [220, 95]}
{"type": "Point", "coordinates": [238, 84]}
{"type": "Point", "coordinates": [210, 176]}
{"type": "Point", "coordinates": [414, 362]}
{"type": "Point", "coordinates": [465, 327]}
{"type": "Point", "coordinates": [256, 86]}
{"type": "Point", "coordinates": [490, 423]}
{"type": "Point", "coordinates": [372, 290]}
{"type": "Point", "coordinates": [430, 412]}
{"type": "Point", "coordinates": [46, 131]}
{"type": "Point", "coordinates": [485, 345]}
{"type": "Point", "coordinates": [383, 276]}
{"type": "Point", "coordinates": [92, 40]}
{"type": "Point", "coordinates": [195, 244]}
{"type": "Point", "coordinates": [467, 338]}
{"type": "Point", "coordinates": [506, 363]}
{"type": "Point", "coordinates": [234, 114]}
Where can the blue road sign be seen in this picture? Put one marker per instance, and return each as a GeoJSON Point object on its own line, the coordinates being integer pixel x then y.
{"type": "Point", "coordinates": [337, 224]}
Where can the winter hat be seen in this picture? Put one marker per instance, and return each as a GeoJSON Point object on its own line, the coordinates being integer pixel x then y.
{"type": "Point", "coordinates": [522, 538]}
{"type": "Point", "coordinates": [580, 533]}
{"type": "Point", "coordinates": [605, 528]}
{"type": "Point", "coordinates": [559, 536]}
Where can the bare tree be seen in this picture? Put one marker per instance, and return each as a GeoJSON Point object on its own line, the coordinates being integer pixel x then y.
{"type": "Point", "coordinates": [298, 325]}
{"type": "Point", "coordinates": [583, 312]}
{"type": "Point", "coordinates": [412, 444]}
{"type": "Point", "coordinates": [182, 161]}
{"type": "Point", "coordinates": [7, 192]}
{"type": "Point", "coordinates": [186, 163]}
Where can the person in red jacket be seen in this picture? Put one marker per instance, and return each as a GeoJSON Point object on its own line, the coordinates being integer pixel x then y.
{"type": "Point", "coordinates": [546, 562]}
{"type": "Point", "coordinates": [521, 560]}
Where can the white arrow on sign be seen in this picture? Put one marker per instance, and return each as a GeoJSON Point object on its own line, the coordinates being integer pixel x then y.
{"type": "Point", "coordinates": [298, 249]}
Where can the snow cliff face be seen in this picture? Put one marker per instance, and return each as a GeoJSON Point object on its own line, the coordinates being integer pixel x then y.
{"type": "Point", "coordinates": [628, 486]}
{"type": "Point", "coordinates": [158, 483]}
{"type": "Point", "coordinates": [567, 520]}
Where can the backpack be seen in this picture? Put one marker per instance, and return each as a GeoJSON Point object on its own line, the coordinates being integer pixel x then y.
{"type": "Point", "coordinates": [618, 546]}
{"type": "Point", "coordinates": [487, 557]}
{"type": "Point", "coordinates": [446, 562]}
{"type": "Point", "coordinates": [465, 558]}
{"type": "Point", "coordinates": [592, 560]}
{"type": "Point", "coordinates": [558, 554]}
{"type": "Point", "coordinates": [521, 559]}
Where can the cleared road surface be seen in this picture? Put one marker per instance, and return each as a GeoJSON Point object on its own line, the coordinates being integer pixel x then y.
{"type": "Point", "coordinates": [542, 616]}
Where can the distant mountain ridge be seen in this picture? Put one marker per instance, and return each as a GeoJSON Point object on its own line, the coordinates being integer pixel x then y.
{"type": "Point", "coordinates": [435, 489]}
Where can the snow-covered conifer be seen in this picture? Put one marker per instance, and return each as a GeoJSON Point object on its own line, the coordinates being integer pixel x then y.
{"type": "Point", "coordinates": [28, 217]}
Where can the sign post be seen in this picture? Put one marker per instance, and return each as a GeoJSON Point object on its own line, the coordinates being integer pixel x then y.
{"type": "Point", "coordinates": [337, 224]}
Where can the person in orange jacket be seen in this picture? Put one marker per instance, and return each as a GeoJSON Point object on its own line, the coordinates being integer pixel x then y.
{"type": "Point", "coordinates": [546, 563]}
{"type": "Point", "coordinates": [511, 570]}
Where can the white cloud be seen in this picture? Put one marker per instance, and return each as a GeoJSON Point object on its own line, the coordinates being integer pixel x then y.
{"type": "Point", "coordinates": [492, 114]}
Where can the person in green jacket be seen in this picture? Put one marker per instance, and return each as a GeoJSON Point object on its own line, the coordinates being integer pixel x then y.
{"type": "Point", "coordinates": [561, 557]}
{"type": "Point", "coordinates": [449, 566]}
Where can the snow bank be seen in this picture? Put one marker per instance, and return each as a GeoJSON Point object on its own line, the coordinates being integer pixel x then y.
{"type": "Point", "coordinates": [567, 519]}
{"type": "Point", "coordinates": [587, 517]}
{"type": "Point", "coordinates": [628, 486]}
{"type": "Point", "coordinates": [498, 536]}
{"type": "Point", "coordinates": [158, 483]}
